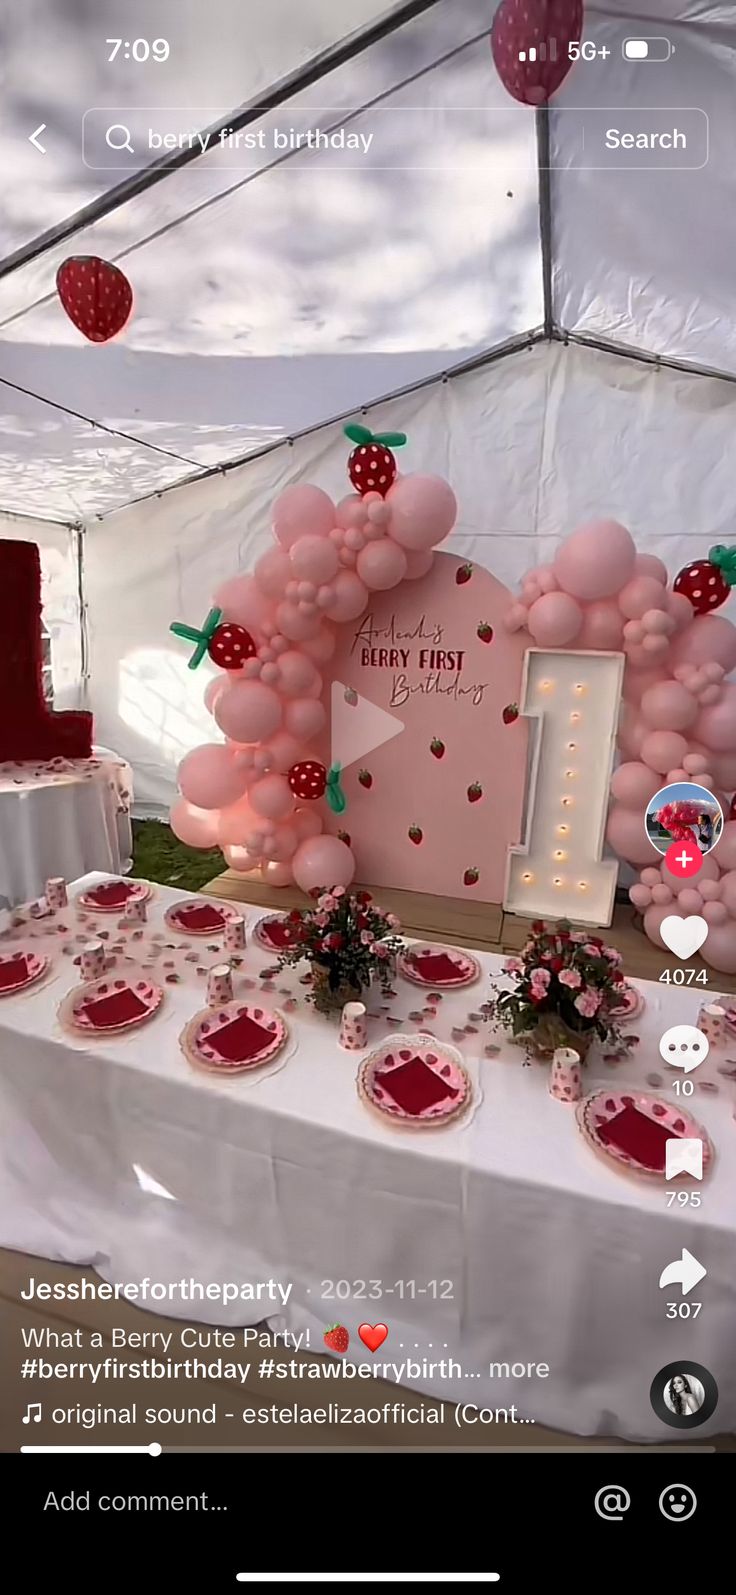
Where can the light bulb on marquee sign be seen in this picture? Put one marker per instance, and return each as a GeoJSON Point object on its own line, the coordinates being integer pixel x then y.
{"type": "Point", "coordinates": [559, 871]}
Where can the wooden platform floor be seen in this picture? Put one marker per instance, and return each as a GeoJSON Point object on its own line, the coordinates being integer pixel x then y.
{"type": "Point", "coordinates": [465, 922]}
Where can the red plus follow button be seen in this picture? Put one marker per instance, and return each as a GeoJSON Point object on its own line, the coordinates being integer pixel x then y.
{"type": "Point", "coordinates": [683, 859]}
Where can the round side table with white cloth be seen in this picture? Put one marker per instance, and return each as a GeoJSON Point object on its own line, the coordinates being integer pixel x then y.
{"type": "Point", "coordinates": [62, 817]}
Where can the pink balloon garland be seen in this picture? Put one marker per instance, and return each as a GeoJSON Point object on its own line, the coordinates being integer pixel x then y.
{"type": "Point", "coordinates": [326, 562]}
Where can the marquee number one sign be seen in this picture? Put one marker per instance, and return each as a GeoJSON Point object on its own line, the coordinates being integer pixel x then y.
{"type": "Point", "coordinates": [559, 872]}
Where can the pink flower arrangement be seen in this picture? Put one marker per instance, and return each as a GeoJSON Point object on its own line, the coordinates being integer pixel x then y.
{"type": "Point", "coordinates": [348, 940]}
{"type": "Point", "coordinates": [566, 987]}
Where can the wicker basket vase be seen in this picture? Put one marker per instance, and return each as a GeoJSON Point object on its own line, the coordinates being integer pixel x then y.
{"type": "Point", "coordinates": [551, 1033]}
{"type": "Point", "coordinates": [327, 1000]}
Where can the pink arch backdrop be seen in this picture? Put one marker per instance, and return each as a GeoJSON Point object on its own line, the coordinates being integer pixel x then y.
{"type": "Point", "coordinates": [274, 631]}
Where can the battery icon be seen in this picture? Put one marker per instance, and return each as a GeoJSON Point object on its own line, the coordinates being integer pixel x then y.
{"type": "Point", "coordinates": [654, 48]}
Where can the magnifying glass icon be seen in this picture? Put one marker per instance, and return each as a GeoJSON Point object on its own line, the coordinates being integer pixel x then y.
{"type": "Point", "coordinates": [119, 143]}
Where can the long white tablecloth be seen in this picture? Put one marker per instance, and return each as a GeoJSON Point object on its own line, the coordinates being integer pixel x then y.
{"type": "Point", "coordinates": [118, 1154]}
{"type": "Point", "coordinates": [62, 818]}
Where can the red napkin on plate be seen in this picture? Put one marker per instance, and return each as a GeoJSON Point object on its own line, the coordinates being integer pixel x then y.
{"type": "Point", "coordinates": [13, 973]}
{"type": "Point", "coordinates": [643, 1138]}
{"type": "Point", "coordinates": [279, 935]}
{"type": "Point", "coordinates": [104, 1012]}
{"type": "Point", "coordinates": [414, 1085]}
{"type": "Point", "coordinates": [112, 894]}
{"type": "Point", "coordinates": [204, 918]}
{"type": "Point", "coordinates": [435, 966]}
{"type": "Point", "coordinates": [242, 1039]}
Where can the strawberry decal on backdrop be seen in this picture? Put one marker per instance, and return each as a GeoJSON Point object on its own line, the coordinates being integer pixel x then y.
{"type": "Point", "coordinates": [475, 792]}
{"type": "Point", "coordinates": [471, 877]}
{"type": "Point", "coordinates": [485, 632]}
{"type": "Point", "coordinates": [415, 834]}
{"type": "Point", "coordinates": [437, 748]}
{"type": "Point", "coordinates": [96, 296]}
{"type": "Point", "coordinates": [366, 779]}
{"type": "Point", "coordinates": [372, 467]}
{"type": "Point", "coordinates": [510, 714]}
{"type": "Point", "coordinates": [463, 575]}
{"type": "Point", "coordinates": [708, 582]}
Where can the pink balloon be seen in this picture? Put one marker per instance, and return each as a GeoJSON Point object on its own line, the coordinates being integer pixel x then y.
{"type": "Point", "coordinates": [248, 712]}
{"type": "Point", "coordinates": [637, 680]}
{"type": "Point", "coordinates": [719, 948]}
{"type": "Point", "coordinates": [240, 860]}
{"type": "Point", "coordinates": [302, 512]}
{"type": "Point", "coordinates": [314, 559]}
{"type": "Point", "coordinates": [724, 851]}
{"type": "Point", "coordinates": [716, 725]}
{"type": "Point", "coordinates": [669, 706]}
{"type": "Point", "coordinates": [323, 861]}
{"type": "Point", "coordinates": [641, 896]}
{"type": "Point", "coordinates": [663, 750]}
{"type": "Point", "coordinates": [723, 767]}
{"type": "Point", "coordinates": [305, 718]}
{"type": "Point", "coordinates": [297, 674]}
{"type": "Point", "coordinates": [650, 565]}
{"type": "Point", "coordinates": [652, 921]}
{"type": "Point", "coordinates": [689, 901]}
{"type": "Point", "coordinates": [596, 560]}
{"type": "Point", "coordinates": [710, 891]}
{"type": "Point", "coordinates": [627, 836]}
{"type": "Point", "coordinates": [662, 893]}
{"type": "Point", "coordinates": [276, 874]}
{"type": "Point", "coordinates": [212, 691]}
{"type": "Point", "coordinates": [639, 595]}
{"type": "Point", "coordinates": [554, 620]}
{"type": "Point", "coordinates": [708, 872]}
{"type": "Point", "coordinates": [272, 571]}
{"type": "Point", "coordinates": [680, 609]}
{"type": "Point", "coordinates": [418, 563]}
{"type": "Point", "coordinates": [322, 646]}
{"type": "Point", "coordinates": [283, 751]}
{"type": "Point", "coordinates": [351, 511]}
{"type": "Point", "coordinates": [423, 510]}
{"type": "Point", "coordinates": [296, 623]}
{"type": "Point", "coordinates": [631, 732]}
{"type": "Point", "coordinates": [209, 778]}
{"type": "Point", "coordinates": [602, 625]}
{"type": "Point", "coordinates": [695, 763]}
{"type": "Point", "coordinates": [242, 601]}
{"type": "Point", "coordinates": [650, 876]}
{"type": "Point", "coordinates": [516, 617]}
{"type": "Point", "coordinates": [284, 843]}
{"type": "Point", "coordinates": [382, 565]}
{"type": "Point", "coordinates": [658, 623]}
{"type": "Point", "coordinates": [709, 638]}
{"type": "Point", "coordinates": [235, 823]}
{"type": "Point", "coordinates": [352, 597]}
{"type": "Point", "coordinates": [715, 913]}
{"type": "Point", "coordinates": [271, 797]}
{"type": "Point", "coordinates": [634, 784]}
{"type": "Point", "coordinates": [307, 822]}
{"type": "Point", "coordinates": [195, 827]}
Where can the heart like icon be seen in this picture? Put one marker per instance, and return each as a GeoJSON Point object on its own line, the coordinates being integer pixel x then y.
{"type": "Point", "coordinates": [372, 1335]}
{"type": "Point", "coordinates": [683, 936]}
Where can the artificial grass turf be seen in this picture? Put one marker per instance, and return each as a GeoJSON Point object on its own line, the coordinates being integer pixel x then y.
{"type": "Point", "coordinates": [159, 856]}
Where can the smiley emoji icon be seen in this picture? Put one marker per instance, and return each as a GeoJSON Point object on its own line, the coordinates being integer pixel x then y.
{"type": "Point", "coordinates": [677, 1503]}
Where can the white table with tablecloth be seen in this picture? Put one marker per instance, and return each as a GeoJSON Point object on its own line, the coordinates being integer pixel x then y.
{"type": "Point", "coordinates": [62, 817]}
{"type": "Point", "coordinates": [503, 1239]}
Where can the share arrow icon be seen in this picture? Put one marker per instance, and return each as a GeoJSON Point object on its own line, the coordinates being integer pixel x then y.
{"type": "Point", "coordinates": [686, 1272]}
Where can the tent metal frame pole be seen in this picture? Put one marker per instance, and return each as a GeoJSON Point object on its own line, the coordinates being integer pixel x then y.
{"type": "Point", "coordinates": [623, 351]}
{"type": "Point", "coordinates": [544, 188]}
{"type": "Point", "coordinates": [304, 77]}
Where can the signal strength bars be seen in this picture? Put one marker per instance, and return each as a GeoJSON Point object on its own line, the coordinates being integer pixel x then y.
{"type": "Point", "coordinates": [540, 52]}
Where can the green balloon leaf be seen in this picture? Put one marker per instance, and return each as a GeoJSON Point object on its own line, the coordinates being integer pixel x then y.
{"type": "Point", "coordinates": [358, 434]}
{"type": "Point", "coordinates": [725, 559]}
{"type": "Point", "coordinates": [203, 637]}
{"type": "Point", "coordinates": [391, 440]}
{"type": "Point", "coordinates": [334, 792]}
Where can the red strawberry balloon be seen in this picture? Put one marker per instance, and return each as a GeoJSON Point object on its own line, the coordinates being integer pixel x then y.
{"type": "Point", "coordinates": [308, 779]}
{"type": "Point", "coordinates": [519, 24]}
{"type": "Point", "coordinates": [96, 296]}
{"type": "Point", "coordinates": [708, 582]}
{"type": "Point", "coordinates": [372, 467]}
{"type": "Point", "coordinates": [230, 646]}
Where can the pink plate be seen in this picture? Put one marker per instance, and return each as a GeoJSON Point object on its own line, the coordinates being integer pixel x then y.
{"type": "Point", "coordinates": [111, 896]}
{"type": "Point", "coordinates": [274, 932]}
{"type": "Point", "coordinates": [198, 917]}
{"type": "Point", "coordinates": [441, 968]}
{"type": "Point", "coordinates": [236, 1037]}
{"type": "Point", "coordinates": [112, 1005]}
{"type": "Point", "coordinates": [631, 1005]}
{"type": "Point", "coordinates": [19, 970]}
{"type": "Point", "coordinates": [415, 1080]}
{"type": "Point", "coordinates": [632, 1128]}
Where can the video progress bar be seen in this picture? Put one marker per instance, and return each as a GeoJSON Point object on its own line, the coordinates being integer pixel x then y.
{"type": "Point", "coordinates": [368, 1578]}
{"type": "Point", "coordinates": [152, 1450]}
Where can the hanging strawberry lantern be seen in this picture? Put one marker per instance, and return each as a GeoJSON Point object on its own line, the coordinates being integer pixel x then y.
{"type": "Point", "coordinates": [310, 780]}
{"type": "Point", "coordinates": [540, 31]}
{"type": "Point", "coordinates": [372, 467]}
{"type": "Point", "coordinates": [708, 582]}
{"type": "Point", "coordinates": [228, 645]}
{"type": "Point", "coordinates": [96, 296]}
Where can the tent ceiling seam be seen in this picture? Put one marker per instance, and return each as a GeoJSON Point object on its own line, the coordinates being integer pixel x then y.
{"type": "Point", "coordinates": [99, 426]}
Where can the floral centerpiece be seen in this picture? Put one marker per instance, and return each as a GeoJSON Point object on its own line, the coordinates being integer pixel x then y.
{"type": "Point", "coordinates": [348, 939]}
{"type": "Point", "coordinates": [567, 985]}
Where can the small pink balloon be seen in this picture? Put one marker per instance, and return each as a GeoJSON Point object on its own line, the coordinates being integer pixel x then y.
{"type": "Point", "coordinates": [715, 913]}
{"type": "Point", "coordinates": [675, 775]}
{"type": "Point", "coordinates": [296, 623]}
{"type": "Point", "coordinates": [631, 733]}
{"type": "Point", "coordinates": [641, 896]}
{"type": "Point", "coordinates": [212, 691]}
{"type": "Point", "coordinates": [307, 822]}
{"type": "Point", "coordinates": [650, 565]}
{"type": "Point", "coordinates": [650, 876]}
{"type": "Point", "coordinates": [634, 632]}
{"type": "Point", "coordinates": [248, 712]}
{"type": "Point", "coordinates": [194, 827]}
{"type": "Point", "coordinates": [627, 836]}
{"type": "Point", "coordinates": [716, 724]}
{"type": "Point", "coordinates": [516, 617]}
{"type": "Point", "coordinates": [639, 595]}
{"type": "Point", "coordinates": [350, 511]}
{"type": "Point", "coordinates": [348, 558]}
{"type": "Point", "coordinates": [271, 798]}
{"type": "Point", "coordinates": [602, 625]}
{"type": "Point", "coordinates": [658, 623]}
{"type": "Point", "coordinates": [352, 597]}
{"type": "Point", "coordinates": [270, 674]}
{"type": "Point", "coordinates": [662, 893]}
{"type": "Point", "coordinates": [546, 579]}
{"type": "Point", "coordinates": [708, 639]}
{"type": "Point", "coordinates": [379, 514]}
{"type": "Point", "coordinates": [209, 779]}
{"type": "Point", "coordinates": [719, 948]}
{"type": "Point", "coordinates": [710, 891]}
{"type": "Point", "coordinates": [723, 766]}
{"type": "Point", "coordinates": [284, 750]}
{"type": "Point", "coordinates": [689, 901]}
{"type": "Point", "coordinates": [354, 539]}
{"type": "Point", "coordinates": [272, 571]}
{"type": "Point", "coordinates": [669, 707]}
{"type": "Point", "coordinates": [326, 594]}
{"type": "Point", "coordinates": [275, 874]}
{"type": "Point", "coordinates": [322, 646]}
{"type": "Point", "coordinates": [297, 674]}
{"type": "Point", "coordinates": [633, 784]}
{"type": "Point", "coordinates": [680, 609]}
{"type": "Point", "coordinates": [418, 563]}
{"type": "Point", "coordinates": [323, 861]}
{"type": "Point", "coordinates": [382, 565]}
{"type": "Point", "coordinates": [235, 823]}
{"type": "Point", "coordinates": [596, 560]}
{"type": "Point", "coordinates": [724, 851]}
{"type": "Point", "coordinates": [554, 620]}
{"type": "Point", "coordinates": [694, 763]}
{"type": "Point", "coordinates": [304, 511]}
{"type": "Point", "coordinates": [261, 760]}
{"type": "Point", "coordinates": [423, 510]}
{"type": "Point", "coordinates": [305, 718]}
{"type": "Point", "coordinates": [654, 646]}
{"type": "Point", "coordinates": [239, 859]}
{"type": "Point", "coordinates": [314, 560]}
{"type": "Point", "coordinates": [663, 750]}
{"type": "Point", "coordinates": [284, 843]}
{"type": "Point", "coordinates": [636, 680]}
{"type": "Point", "coordinates": [242, 601]}
{"type": "Point", "coordinates": [709, 695]}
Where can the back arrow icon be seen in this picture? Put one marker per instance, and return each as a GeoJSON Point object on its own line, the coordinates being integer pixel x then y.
{"type": "Point", "coordinates": [687, 1272]}
{"type": "Point", "coordinates": [33, 139]}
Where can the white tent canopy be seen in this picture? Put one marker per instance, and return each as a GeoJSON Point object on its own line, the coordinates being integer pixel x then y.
{"type": "Point", "coordinates": [558, 338]}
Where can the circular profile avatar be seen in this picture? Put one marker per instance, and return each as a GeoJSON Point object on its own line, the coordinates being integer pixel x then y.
{"type": "Point", "coordinates": [684, 1395]}
{"type": "Point", "coordinates": [684, 812]}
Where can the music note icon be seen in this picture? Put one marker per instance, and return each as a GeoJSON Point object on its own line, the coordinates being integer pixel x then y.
{"type": "Point", "coordinates": [34, 1409]}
